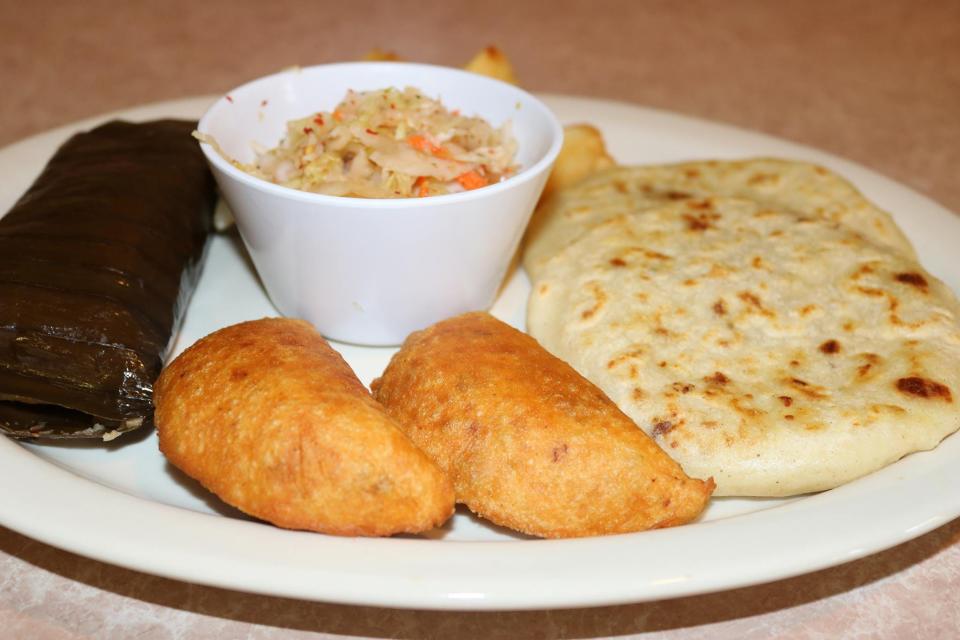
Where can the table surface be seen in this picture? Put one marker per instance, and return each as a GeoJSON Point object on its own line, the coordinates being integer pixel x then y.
{"type": "Point", "coordinates": [875, 82]}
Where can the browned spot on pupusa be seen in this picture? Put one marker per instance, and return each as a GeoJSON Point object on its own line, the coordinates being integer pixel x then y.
{"type": "Point", "coordinates": [872, 292]}
{"type": "Point", "coordinates": [703, 217]}
{"type": "Point", "coordinates": [691, 173]}
{"type": "Point", "coordinates": [625, 356]}
{"type": "Point", "coordinates": [600, 299]}
{"type": "Point", "coordinates": [717, 271]}
{"type": "Point", "coordinates": [786, 400]}
{"type": "Point", "coordinates": [747, 411]}
{"type": "Point", "coordinates": [862, 271]}
{"type": "Point", "coordinates": [637, 394]}
{"type": "Point", "coordinates": [662, 428]}
{"type": "Point", "coordinates": [683, 387]}
{"type": "Point", "coordinates": [763, 178]}
{"type": "Point", "coordinates": [621, 186]}
{"type": "Point", "coordinates": [806, 388]}
{"type": "Point", "coordinates": [754, 302]}
{"type": "Point", "coordinates": [830, 347]}
{"type": "Point", "coordinates": [808, 309]}
{"type": "Point", "coordinates": [913, 279]}
{"type": "Point", "coordinates": [543, 288]}
{"type": "Point", "coordinates": [887, 408]}
{"type": "Point", "coordinates": [697, 223]}
{"type": "Point", "coordinates": [717, 378]}
{"type": "Point", "coordinates": [895, 318]}
{"type": "Point", "coordinates": [720, 308]}
{"type": "Point", "coordinates": [618, 262]}
{"type": "Point", "coordinates": [649, 253]}
{"type": "Point", "coordinates": [924, 388]}
{"type": "Point", "coordinates": [655, 255]}
{"type": "Point", "coordinates": [865, 369]}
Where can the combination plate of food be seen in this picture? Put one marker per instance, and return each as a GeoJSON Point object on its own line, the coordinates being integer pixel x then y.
{"type": "Point", "coordinates": [719, 359]}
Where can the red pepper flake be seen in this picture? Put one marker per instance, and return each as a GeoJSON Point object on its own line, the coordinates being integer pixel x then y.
{"type": "Point", "coordinates": [230, 99]}
{"type": "Point", "coordinates": [319, 120]}
{"type": "Point", "coordinates": [372, 132]}
{"type": "Point", "coordinates": [393, 106]}
{"type": "Point", "coordinates": [308, 129]}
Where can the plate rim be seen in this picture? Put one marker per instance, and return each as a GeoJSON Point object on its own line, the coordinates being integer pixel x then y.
{"type": "Point", "coordinates": [200, 548]}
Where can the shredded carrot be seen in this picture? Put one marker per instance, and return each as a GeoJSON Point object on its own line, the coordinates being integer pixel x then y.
{"type": "Point", "coordinates": [472, 180]}
{"type": "Point", "coordinates": [421, 185]}
{"type": "Point", "coordinates": [420, 143]}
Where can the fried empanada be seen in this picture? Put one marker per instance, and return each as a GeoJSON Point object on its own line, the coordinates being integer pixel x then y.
{"type": "Point", "coordinates": [529, 443]}
{"type": "Point", "coordinates": [266, 415]}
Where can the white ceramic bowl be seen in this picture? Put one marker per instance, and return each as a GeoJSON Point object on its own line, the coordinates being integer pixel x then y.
{"type": "Point", "coordinates": [370, 271]}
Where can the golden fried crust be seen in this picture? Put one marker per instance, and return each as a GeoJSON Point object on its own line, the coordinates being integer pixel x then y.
{"type": "Point", "coordinates": [529, 443]}
{"type": "Point", "coordinates": [267, 416]}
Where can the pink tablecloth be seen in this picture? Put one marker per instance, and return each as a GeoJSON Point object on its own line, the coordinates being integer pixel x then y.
{"type": "Point", "coordinates": [876, 82]}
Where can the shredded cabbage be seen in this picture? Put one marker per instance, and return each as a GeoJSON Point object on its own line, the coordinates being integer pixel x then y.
{"type": "Point", "coordinates": [388, 143]}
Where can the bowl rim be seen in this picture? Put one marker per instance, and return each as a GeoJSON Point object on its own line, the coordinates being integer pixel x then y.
{"type": "Point", "coordinates": [526, 174]}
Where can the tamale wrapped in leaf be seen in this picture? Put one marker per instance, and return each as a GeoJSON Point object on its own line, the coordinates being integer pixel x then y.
{"type": "Point", "coordinates": [97, 262]}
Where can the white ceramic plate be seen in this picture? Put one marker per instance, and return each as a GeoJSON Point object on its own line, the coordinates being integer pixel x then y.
{"type": "Point", "coordinates": [122, 503]}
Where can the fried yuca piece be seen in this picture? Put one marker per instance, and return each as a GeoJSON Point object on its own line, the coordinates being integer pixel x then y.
{"type": "Point", "coordinates": [528, 442]}
{"type": "Point", "coordinates": [583, 153]}
{"type": "Point", "coordinates": [266, 415]}
{"type": "Point", "coordinates": [489, 61]}
{"type": "Point", "coordinates": [492, 62]}
{"type": "Point", "coordinates": [380, 55]}
{"type": "Point", "coordinates": [584, 150]}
